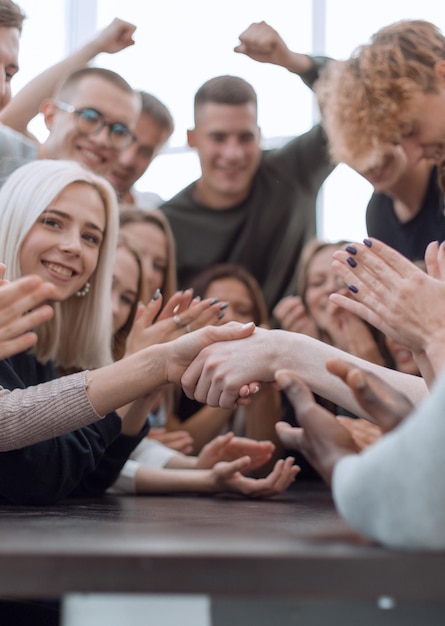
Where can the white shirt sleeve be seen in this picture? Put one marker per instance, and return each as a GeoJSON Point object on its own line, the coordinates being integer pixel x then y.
{"type": "Point", "coordinates": [394, 491]}
{"type": "Point", "coordinates": [148, 453]}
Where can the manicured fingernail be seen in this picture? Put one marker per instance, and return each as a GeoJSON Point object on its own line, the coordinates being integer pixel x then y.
{"type": "Point", "coordinates": [248, 325]}
{"type": "Point", "coordinates": [367, 242]}
{"type": "Point", "coordinates": [353, 288]}
{"type": "Point", "coordinates": [256, 390]}
{"type": "Point", "coordinates": [351, 249]}
{"type": "Point", "coordinates": [352, 262]}
{"type": "Point", "coordinates": [156, 294]}
{"type": "Point", "coordinates": [214, 301]}
{"type": "Point", "coordinates": [221, 315]}
{"type": "Point", "coordinates": [224, 305]}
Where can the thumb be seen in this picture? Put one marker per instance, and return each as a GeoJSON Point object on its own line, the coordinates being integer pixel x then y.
{"type": "Point", "coordinates": [290, 436]}
{"type": "Point", "coordinates": [229, 468]}
{"type": "Point", "coordinates": [231, 331]}
{"type": "Point", "coordinates": [296, 390]}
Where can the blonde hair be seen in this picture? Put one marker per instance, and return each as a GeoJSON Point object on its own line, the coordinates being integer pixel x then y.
{"type": "Point", "coordinates": [80, 331]}
{"type": "Point", "coordinates": [156, 217]}
{"type": "Point", "coordinates": [366, 101]}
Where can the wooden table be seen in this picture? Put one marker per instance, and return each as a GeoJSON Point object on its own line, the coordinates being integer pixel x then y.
{"type": "Point", "coordinates": [267, 556]}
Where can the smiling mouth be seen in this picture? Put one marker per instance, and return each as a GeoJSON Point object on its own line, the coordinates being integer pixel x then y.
{"type": "Point", "coordinates": [61, 270]}
{"type": "Point", "coordinates": [92, 156]}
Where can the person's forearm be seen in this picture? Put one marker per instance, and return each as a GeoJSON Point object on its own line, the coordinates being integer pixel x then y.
{"type": "Point", "coordinates": [118, 384]}
{"type": "Point", "coordinates": [298, 63]}
{"type": "Point", "coordinates": [25, 418]}
{"type": "Point", "coordinates": [149, 480]}
{"type": "Point", "coordinates": [26, 103]}
{"type": "Point", "coordinates": [307, 357]}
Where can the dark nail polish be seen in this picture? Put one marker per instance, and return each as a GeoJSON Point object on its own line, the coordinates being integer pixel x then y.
{"type": "Point", "coordinates": [352, 262]}
{"type": "Point", "coordinates": [367, 242]}
{"type": "Point", "coordinates": [224, 305]}
{"type": "Point", "coordinates": [221, 315]}
{"type": "Point", "coordinates": [214, 301]}
{"type": "Point", "coordinates": [156, 294]}
{"type": "Point", "coordinates": [353, 288]}
{"type": "Point", "coordinates": [351, 249]}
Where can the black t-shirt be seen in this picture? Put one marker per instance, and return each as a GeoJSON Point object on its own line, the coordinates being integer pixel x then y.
{"type": "Point", "coordinates": [412, 237]}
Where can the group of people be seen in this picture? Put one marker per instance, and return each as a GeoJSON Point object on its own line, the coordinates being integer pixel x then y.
{"type": "Point", "coordinates": [120, 312]}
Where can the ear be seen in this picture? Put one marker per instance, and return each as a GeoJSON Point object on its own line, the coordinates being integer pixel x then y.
{"type": "Point", "coordinates": [48, 109]}
{"type": "Point", "coordinates": [439, 71]}
{"type": "Point", "coordinates": [191, 139]}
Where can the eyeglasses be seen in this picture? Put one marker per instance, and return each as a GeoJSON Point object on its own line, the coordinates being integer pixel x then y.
{"type": "Point", "coordinates": [91, 122]}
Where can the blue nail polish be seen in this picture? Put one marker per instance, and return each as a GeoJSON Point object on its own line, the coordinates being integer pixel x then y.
{"type": "Point", "coordinates": [367, 242]}
{"type": "Point", "coordinates": [353, 288]}
{"type": "Point", "coordinates": [351, 249]}
{"type": "Point", "coordinates": [352, 262]}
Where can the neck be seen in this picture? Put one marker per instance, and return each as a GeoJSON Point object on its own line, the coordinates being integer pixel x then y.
{"type": "Point", "coordinates": [409, 191]}
{"type": "Point", "coordinates": [214, 200]}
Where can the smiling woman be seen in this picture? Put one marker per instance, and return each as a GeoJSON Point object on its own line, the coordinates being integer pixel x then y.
{"type": "Point", "coordinates": [56, 231]}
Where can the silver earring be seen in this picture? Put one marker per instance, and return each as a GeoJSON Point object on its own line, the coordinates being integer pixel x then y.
{"type": "Point", "coordinates": [83, 292]}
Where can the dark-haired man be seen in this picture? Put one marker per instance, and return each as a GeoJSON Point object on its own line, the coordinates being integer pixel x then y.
{"type": "Point", "coordinates": [249, 206]}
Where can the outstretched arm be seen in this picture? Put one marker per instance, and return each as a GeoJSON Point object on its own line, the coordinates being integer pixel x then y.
{"type": "Point", "coordinates": [25, 105]}
{"type": "Point", "coordinates": [392, 491]}
{"type": "Point", "coordinates": [219, 371]}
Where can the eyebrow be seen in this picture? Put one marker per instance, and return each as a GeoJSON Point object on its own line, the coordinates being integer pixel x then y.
{"type": "Point", "coordinates": [68, 217]}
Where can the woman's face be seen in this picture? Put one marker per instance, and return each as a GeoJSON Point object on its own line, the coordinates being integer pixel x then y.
{"type": "Point", "coordinates": [321, 282]}
{"type": "Point", "coordinates": [124, 292]}
{"type": "Point", "coordinates": [63, 245]}
{"type": "Point", "coordinates": [235, 292]}
{"type": "Point", "coordinates": [150, 242]}
{"type": "Point", "coordinates": [403, 358]}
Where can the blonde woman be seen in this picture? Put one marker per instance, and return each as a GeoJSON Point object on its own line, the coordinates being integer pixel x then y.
{"type": "Point", "coordinates": [60, 222]}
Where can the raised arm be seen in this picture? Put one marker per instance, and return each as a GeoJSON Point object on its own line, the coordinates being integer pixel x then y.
{"type": "Point", "coordinates": [25, 105]}
{"type": "Point", "coordinates": [262, 43]}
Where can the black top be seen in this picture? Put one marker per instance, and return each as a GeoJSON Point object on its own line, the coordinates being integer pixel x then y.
{"type": "Point", "coordinates": [412, 237]}
{"type": "Point", "coordinates": [81, 463]}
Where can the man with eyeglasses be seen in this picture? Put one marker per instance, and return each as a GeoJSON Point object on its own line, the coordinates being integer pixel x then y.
{"type": "Point", "coordinates": [91, 119]}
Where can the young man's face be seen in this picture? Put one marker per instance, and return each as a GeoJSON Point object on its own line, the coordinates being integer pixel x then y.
{"type": "Point", "coordinates": [9, 64]}
{"type": "Point", "coordinates": [227, 139]}
{"type": "Point", "coordinates": [391, 167]}
{"type": "Point", "coordinates": [134, 160]}
{"type": "Point", "coordinates": [95, 151]}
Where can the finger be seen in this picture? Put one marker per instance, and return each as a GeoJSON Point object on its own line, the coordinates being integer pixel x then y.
{"type": "Point", "coordinates": [290, 436]}
{"type": "Point", "coordinates": [441, 260]}
{"type": "Point", "coordinates": [432, 261]}
{"type": "Point", "coordinates": [296, 390]}
{"type": "Point", "coordinates": [19, 325]}
{"type": "Point", "coordinates": [197, 382]}
{"type": "Point", "coordinates": [229, 468]}
{"type": "Point", "coordinates": [17, 345]}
